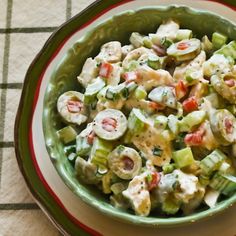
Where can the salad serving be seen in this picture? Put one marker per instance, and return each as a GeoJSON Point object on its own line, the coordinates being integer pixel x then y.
{"type": "Point", "coordinates": [154, 128]}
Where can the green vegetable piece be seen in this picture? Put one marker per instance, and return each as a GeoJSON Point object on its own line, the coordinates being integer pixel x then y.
{"type": "Point", "coordinates": [140, 93]}
{"type": "Point", "coordinates": [204, 180]}
{"type": "Point", "coordinates": [136, 39]}
{"type": "Point", "coordinates": [168, 168]}
{"type": "Point", "coordinates": [192, 76]}
{"type": "Point", "coordinates": [154, 62]}
{"type": "Point", "coordinates": [170, 207]}
{"type": "Point", "coordinates": [116, 92]}
{"type": "Point", "coordinates": [72, 157]}
{"type": "Point", "coordinates": [183, 157]}
{"type": "Point", "coordinates": [183, 34]}
{"type": "Point", "coordinates": [226, 184]}
{"type": "Point", "coordinates": [118, 188]}
{"type": "Point", "coordinates": [192, 119]}
{"type": "Point", "coordinates": [99, 154]}
{"type": "Point", "coordinates": [156, 151]}
{"type": "Point", "coordinates": [86, 171]}
{"type": "Point", "coordinates": [69, 149]}
{"type": "Point", "coordinates": [232, 109]}
{"type": "Point", "coordinates": [82, 146]}
{"type": "Point", "coordinates": [218, 40]}
{"type": "Point", "coordinates": [165, 42]}
{"type": "Point", "coordinates": [185, 50]}
{"type": "Point", "coordinates": [212, 162]}
{"type": "Point", "coordinates": [164, 95]}
{"type": "Point", "coordinates": [137, 122]}
{"type": "Point", "coordinates": [228, 50]}
{"type": "Point", "coordinates": [147, 42]}
{"type": "Point", "coordinates": [125, 162]}
{"type": "Point", "coordinates": [67, 134]}
{"type": "Point", "coordinates": [173, 124]}
{"type": "Point", "coordinates": [92, 91]}
{"type": "Point", "coordinates": [131, 87]}
{"type": "Point", "coordinates": [206, 44]}
{"type": "Point", "coordinates": [160, 122]}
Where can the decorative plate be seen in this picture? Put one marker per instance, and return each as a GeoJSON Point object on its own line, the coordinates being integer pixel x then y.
{"type": "Point", "coordinates": [66, 210]}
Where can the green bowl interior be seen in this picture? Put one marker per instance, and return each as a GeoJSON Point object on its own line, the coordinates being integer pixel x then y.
{"type": "Point", "coordinates": [119, 28]}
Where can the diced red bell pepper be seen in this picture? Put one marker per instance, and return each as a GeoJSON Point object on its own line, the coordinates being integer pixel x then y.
{"type": "Point", "coordinates": [109, 124]}
{"type": "Point", "coordinates": [230, 82]}
{"type": "Point", "coordinates": [154, 180]}
{"type": "Point", "coordinates": [74, 106]}
{"type": "Point", "coordinates": [190, 104]}
{"type": "Point", "coordinates": [182, 45]}
{"type": "Point", "coordinates": [128, 163]}
{"type": "Point", "coordinates": [180, 89]}
{"type": "Point", "coordinates": [105, 70]}
{"type": "Point", "coordinates": [130, 76]}
{"type": "Point", "coordinates": [90, 137]}
{"type": "Point", "coordinates": [228, 125]}
{"type": "Point", "coordinates": [156, 106]}
{"type": "Point", "coordinates": [195, 138]}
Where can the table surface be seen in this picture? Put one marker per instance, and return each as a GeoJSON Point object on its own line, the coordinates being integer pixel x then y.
{"type": "Point", "coordinates": [24, 28]}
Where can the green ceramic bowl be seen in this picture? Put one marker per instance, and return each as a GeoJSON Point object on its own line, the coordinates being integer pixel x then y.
{"type": "Point", "coordinates": [119, 27]}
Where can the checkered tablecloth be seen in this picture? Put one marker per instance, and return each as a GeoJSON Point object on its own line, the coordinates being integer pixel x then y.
{"type": "Point", "coordinates": [25, 25]}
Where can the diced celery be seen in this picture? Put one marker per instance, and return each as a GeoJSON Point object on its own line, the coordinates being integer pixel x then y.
{"type": "Point", "coordinates": [226, 184]}
{"type": "Point", "coordinates": [211, 197]}
{"type": "Point", "coordinates": [137, 121]}
{"type": "Point", "coordinates": [165, 42]}
{"type": "Point", "coordinates": [183, 157]}
{"type": "Point", "coordinates": [147, 42]}
{"type": "Point", "coordinates": [154, 62]}
{"type": "Point", "coordinates": [163, 95]}
{"type": "Point", "coordinates": [67, 134]}
{"type": "Point", "coordinates": [183, 34]}
{"type": "Point", "coordinates": [118, 187]}
{"type": "Point", "coordinates": [69, 149]}
{"type": "Point", "coordinates": [204, 180]}
{"type": "Point", "coordinates": [106, 182]}
{"type": "Point", "coordinates": [72, 157]}
{"type": "Point", "coordinates": [206, 44]}
{"type": "Point", "coordinates": [160, 122]}
{"type": "Point", "coordinates": [136, 39]}
{"type": "Point", "coordinates": [168, 168]}
{"type": "Point", "coordinates": [212, 162]}
{"type": "Point", "coordinates": [170, 207]}
{"type": "Point", "coordinates": [232, 109]}
{"type": "Point", "coordinates": [92, 91]}
{"type": "Point", "coordinates": [218, 40]}
{"type": "Point", "coordinates": [192, 119]}
{"type": "Point", "coordinates": [99, 153]}
{"type": "Point", "coordinates": [82, 146]}
{"type": "Point", "coordinates": [140, 93]}
{"type": "Point", "coordinates": [131, 87]}
{"type": "Point", "coordinates": [115, 92]}
{"type": "Point", "coordinates": [173, 124]}
{"type": "Point", "coordinates": [192, 76]}
{"type": "Point", "coordinates": [228, 50]}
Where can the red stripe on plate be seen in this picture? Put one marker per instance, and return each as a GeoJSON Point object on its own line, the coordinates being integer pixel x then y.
{"type": "Point", "coordinates": [35, 163]}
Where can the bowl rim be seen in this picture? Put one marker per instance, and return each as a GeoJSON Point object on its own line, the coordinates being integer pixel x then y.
{"type": "Point", "coordinates": [130, 218]}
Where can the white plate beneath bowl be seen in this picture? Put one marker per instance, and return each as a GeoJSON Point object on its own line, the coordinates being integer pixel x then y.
{"type": "Point", "coordinates": [223, 224]}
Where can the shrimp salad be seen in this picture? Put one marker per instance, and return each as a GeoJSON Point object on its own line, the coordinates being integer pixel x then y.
{"type": "Point", "coordinates": [154, 128]}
